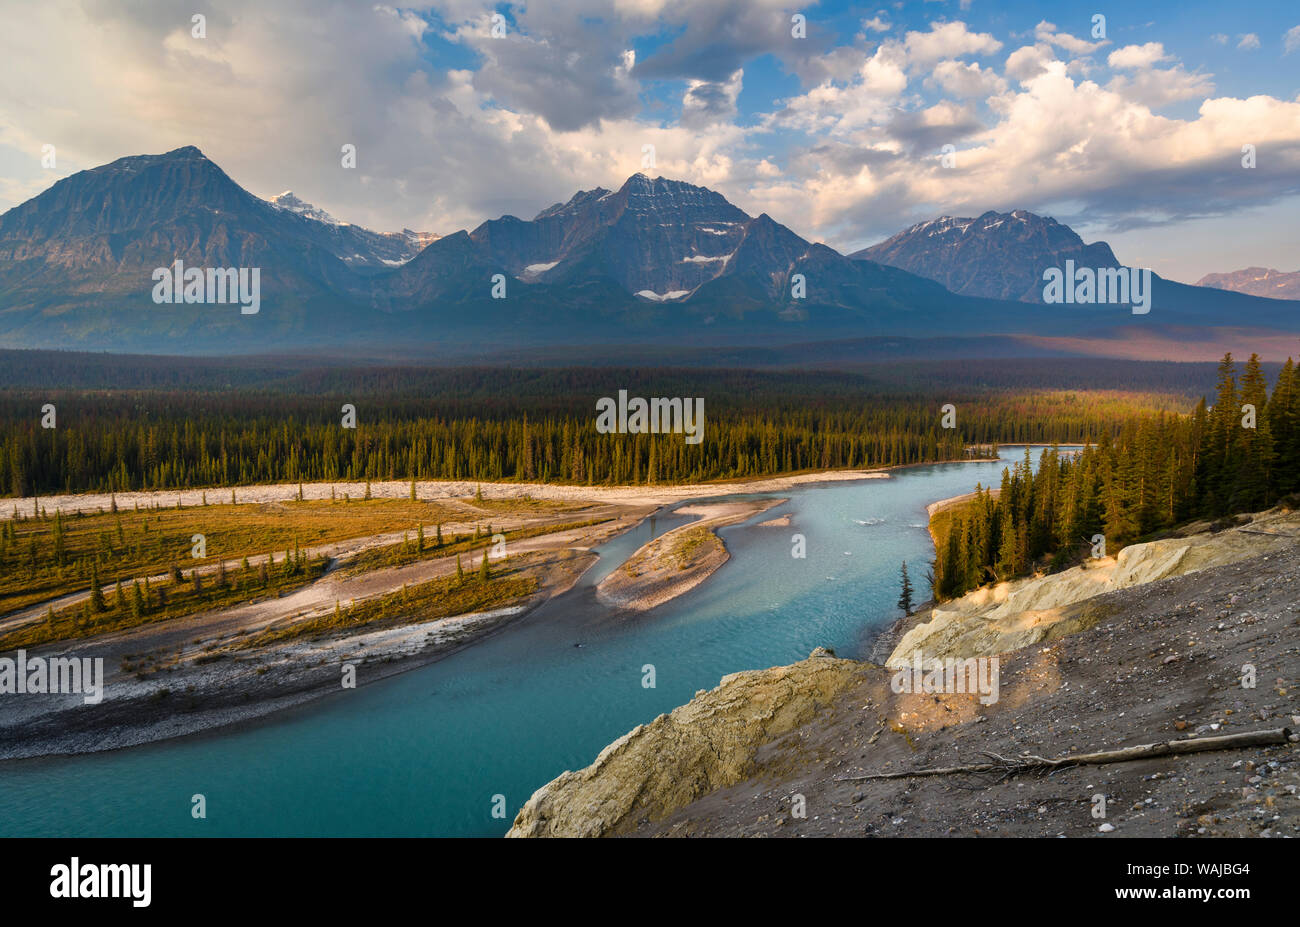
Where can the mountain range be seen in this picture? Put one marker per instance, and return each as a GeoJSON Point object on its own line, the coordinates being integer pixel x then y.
{"type": "Point", "coordinates": [657, 261]}
{"type": "Point", "coordinates": [1258, 281]}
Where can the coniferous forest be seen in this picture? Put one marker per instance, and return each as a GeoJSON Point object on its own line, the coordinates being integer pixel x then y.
{"type": "Point", "coordinates": [529, 425]}
{"type": "Point", "coordinates": [1155, 457]}
{"type": "Point", "coordinates": [1240, 454]}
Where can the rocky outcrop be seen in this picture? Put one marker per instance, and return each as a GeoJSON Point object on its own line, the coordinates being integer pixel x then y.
{"type": "Point", "coordinates": [1008, 616]}
{"type": "Point", "coordinates": [707, 744]}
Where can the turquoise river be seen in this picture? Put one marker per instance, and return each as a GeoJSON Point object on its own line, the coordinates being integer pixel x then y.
{"type": "Point", "coordinates": [425, 752]}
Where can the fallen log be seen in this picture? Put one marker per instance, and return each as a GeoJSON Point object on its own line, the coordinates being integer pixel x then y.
{"type": "Point", "coordinates": [1026, 761]}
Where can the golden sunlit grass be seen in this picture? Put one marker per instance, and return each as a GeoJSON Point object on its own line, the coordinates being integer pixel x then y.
{"type": "Point", "coordinates": [36, 564]}
{"type": "Point", "coordinates": [408, 551]}
{"type": "Point", "coordinates": [138, 603]}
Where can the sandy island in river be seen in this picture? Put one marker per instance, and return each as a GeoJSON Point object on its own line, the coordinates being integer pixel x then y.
{"type": "Point", "coordinates": [680, 559]}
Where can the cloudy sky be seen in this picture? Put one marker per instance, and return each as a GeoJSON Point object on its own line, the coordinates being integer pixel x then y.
{"type": "Point", "coordinates": [1134, 134]}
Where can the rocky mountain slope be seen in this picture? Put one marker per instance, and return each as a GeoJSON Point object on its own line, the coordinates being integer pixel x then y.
{"type": "Point", "coordinates": [781, 752]}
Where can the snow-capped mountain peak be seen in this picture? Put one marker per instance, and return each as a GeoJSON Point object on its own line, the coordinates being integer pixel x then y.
{"type": "Point", "coordinates": [291, 203]}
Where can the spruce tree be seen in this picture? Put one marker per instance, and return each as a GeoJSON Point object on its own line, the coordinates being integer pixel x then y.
{"type": "Point", "coordinates": [1250, 490]}
{"type": "Point", "coordinates": [60, 549]}
{"type": "Point", "coordinates": [97, 602]}
{"type": "Point", "coordinates": [905, 599]}
{"type": "Point", "coordinates": [1283, 423]}
{"type": "Point", "coordinates": [1220, 439]}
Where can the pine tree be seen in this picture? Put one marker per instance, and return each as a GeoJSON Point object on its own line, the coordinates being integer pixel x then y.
{"type": "Point", "coordinates": [460, 570]}
{"type": "Point", "coordinates": [97, 602]}
{"type": "Point", "coordinates": [60, 550]}
{"type": "Point", "coordinates": [1006, 565]}
{"type": "Point", "coordinates": [484, 571]}
{"type": "Point", "coordinates": [1284, 426]}
{"type": "Point", "coordinates": [1220, 440]}
{"type": "Point", "coordinates": [1255, 445]}
{"type": "Point", "coordinates": [905, 599]}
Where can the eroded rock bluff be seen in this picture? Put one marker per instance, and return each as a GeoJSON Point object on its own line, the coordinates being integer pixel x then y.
{"type": "Point", "coordinates": [1008, 616]}
{"type": "Point", "coordinates": [706, 744]}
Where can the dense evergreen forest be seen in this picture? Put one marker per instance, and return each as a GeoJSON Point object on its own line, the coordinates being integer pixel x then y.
{"type": "Point", "coordinates": [508, 424]}
{"type": "Point", "coordinates": [66, 371]}
{"type": "Point", "coordinates": [1156, 471]}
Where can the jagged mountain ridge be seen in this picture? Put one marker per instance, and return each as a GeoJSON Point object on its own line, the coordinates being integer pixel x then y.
{"type": "Point", "coordinates": [997, 255]}
{"type": "Point", "coordinates": [654, 243]}
{"type": "Point", "coordinates": [358, 247]}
